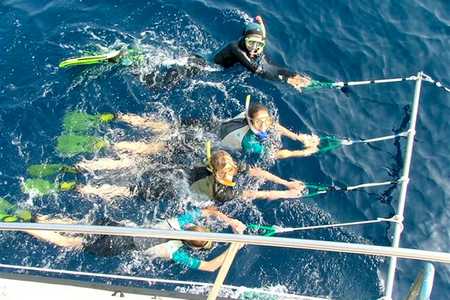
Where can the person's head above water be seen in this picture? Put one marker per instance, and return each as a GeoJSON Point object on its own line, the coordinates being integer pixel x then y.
{"type": "Point", "coordinates": [253, 38]}
{"type": "Point", "coordinates": [223, 167]}
{"type": "Point", "coordinates": [260, 117]}
{"type": "Point", "coordinates": [198, 244]}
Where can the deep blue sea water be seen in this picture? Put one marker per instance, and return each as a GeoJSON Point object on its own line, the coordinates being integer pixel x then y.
{"type": "Point", "coordinates": [336, 40]}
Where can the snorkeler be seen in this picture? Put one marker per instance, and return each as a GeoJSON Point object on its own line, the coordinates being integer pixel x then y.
{"type": "Point", "coordinates": [217, 181]}
{"type": "Point", "coordinates": [249, 52]}
{"type": "Point", "coordinates": [248, 131]}
{"type": "Point", "coordinates": [175, 250]}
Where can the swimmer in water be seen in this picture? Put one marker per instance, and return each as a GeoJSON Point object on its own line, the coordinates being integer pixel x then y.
{"type": "Point", "coordinates": [178, 251]}
{"type": "Point", "coordinates": [248, 131]}
{"type": "Point", "coordinates": [249, 52]}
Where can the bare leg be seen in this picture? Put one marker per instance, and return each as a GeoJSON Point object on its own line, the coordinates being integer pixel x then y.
{"type": "Point", "coordinates": [104, 164]}
{"type": "Point", "coordinates": [44, 219]}
{"type": "Point", "coordinates": [160, 127]}
{"type": "Point", "coordinates": [106, 191]}
{"type": "Point", "coordinates": [139, 148]}
{"type": "Point", "coordinates": [57, 238]}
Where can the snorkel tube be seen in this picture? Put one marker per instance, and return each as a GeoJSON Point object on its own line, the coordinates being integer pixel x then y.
{"type": "Point", "coordinates": [262, 135]}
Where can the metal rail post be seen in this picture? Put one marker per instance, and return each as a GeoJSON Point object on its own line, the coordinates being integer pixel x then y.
{"type": "Point", "coordinates": [404, 185]}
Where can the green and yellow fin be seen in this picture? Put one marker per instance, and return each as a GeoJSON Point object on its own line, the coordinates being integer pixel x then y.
{"type": "Point", "coordinates": [90, 60]}
{"type": "Point", "coordinates": [45, 170]}
{"type": "Point", "coordinates": [71, 145]}
{"type": "Point", "coordinates": [77, 122]}
{"type": "Point", "coordinates": [39, 186]}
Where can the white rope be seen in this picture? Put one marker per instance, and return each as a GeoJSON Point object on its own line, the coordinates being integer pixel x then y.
{"type": "Point", "coordinates": [371, 184]}
{"type": "Point", "coordinates": [394, 219]}
{"type": "Point", "coordinates": [341, 84]}
{"type": "Point", "coordinates": [425, 77]}
{"type": "Point", "coordinates": [439, 84]}
{"type": "Point", "coordinates": [348, 142]}
{"type": "Point", "coordinates": [150, 281]}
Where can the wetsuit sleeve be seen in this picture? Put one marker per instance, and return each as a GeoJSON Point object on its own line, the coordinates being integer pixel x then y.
{"type": "Point", "coordinates": [183, 257]}
{"type": "Point", "coordinates": [274, 72]}
{"type": "Point", "coordinates": [189, 217]}
{"type": "Point", "coordinates": [242, 57]}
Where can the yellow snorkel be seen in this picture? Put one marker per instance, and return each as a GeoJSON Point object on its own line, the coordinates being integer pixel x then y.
{"type": "Point", "coordinates": [208, 157]}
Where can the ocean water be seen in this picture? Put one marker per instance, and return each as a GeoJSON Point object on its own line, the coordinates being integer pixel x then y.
{"type": "Point", "coordinates": [335, 40]}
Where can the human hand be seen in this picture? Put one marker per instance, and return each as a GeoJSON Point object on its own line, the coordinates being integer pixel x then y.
{"type": "Point", "coordinates": [295, 185]}
{"type": "Point", "coordinates": [237, 226]}
{"type": "Point", "coordinates": [298, 81]}
{"type": "Point", "coordinates": [309, 140]}
{"type": "Point", "coordinates": [309, 151]}
{"type": "Point", "coordinates": [258, 19]}
{"type": "Point", "coordinates": [295, 193]}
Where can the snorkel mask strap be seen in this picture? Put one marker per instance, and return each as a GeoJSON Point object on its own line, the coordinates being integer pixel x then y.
{"type": "Point", "coordinates": [263, 135]}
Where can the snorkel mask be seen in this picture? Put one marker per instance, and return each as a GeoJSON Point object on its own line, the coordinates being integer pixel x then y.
{"type": "Point", "coordinates": [262, 135]}
{"type": "Point", "coordinates": [254, 44]}
{"type": "Point", "coordinates": [228, 166]}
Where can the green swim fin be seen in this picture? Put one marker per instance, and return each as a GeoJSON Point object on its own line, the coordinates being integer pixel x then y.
{"type": "Point", "coordinates": [81, 122]}
{"type": "Point", "coordinates": [9, 212]}
{"type": "Point", "coordinates": [24, 214]}
{"type": "Point", "coordinates": [5, 206]}
{"type": "Point", "coordinates": [71, 145]}
{"type": "Point", "coordinates": [91, 60]}
{"type": "Point", "coordinates": [44, 170]}
{"type": "Point", "coordinates": [43, 187]}
{"type": "Point", "coordinates": [39, 186]}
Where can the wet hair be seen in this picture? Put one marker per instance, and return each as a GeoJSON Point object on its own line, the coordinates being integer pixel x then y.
{"type": "Point", "coordinates": [256, 108]}
{"type": "Point", "coordinates": [197, 243]}
{"type": "Point", "coordinates": [219, 159]}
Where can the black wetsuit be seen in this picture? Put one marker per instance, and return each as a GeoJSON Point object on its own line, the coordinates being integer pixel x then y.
{"type": "Point", "coordinates": [108, 245]}
{"type": "Point", "coordinates": [169, 76]}
{"type": "Point", "coordinates": [235, 52]}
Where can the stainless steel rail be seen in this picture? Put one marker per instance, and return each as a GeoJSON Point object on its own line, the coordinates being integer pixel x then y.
{"type": "Point", "coordinates": [404, 184]}
{"type": "Point", "coordinates": [229, 238]}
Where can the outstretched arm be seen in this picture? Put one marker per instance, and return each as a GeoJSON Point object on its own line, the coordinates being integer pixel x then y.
{"type": "Point", "coordinates": [215, 263]}
{"type": "Point", "coordinates": [272, 195]}
{"type": "Point", "coordinates": [265, 175]}
{"type": "Point", "coordinates": [310, 142]}
{"type": "Point", "coordinates": [238, 226]}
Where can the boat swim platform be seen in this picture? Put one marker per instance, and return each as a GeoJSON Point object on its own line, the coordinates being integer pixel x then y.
{"type": "Point", "coordinates": [15, 286]}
